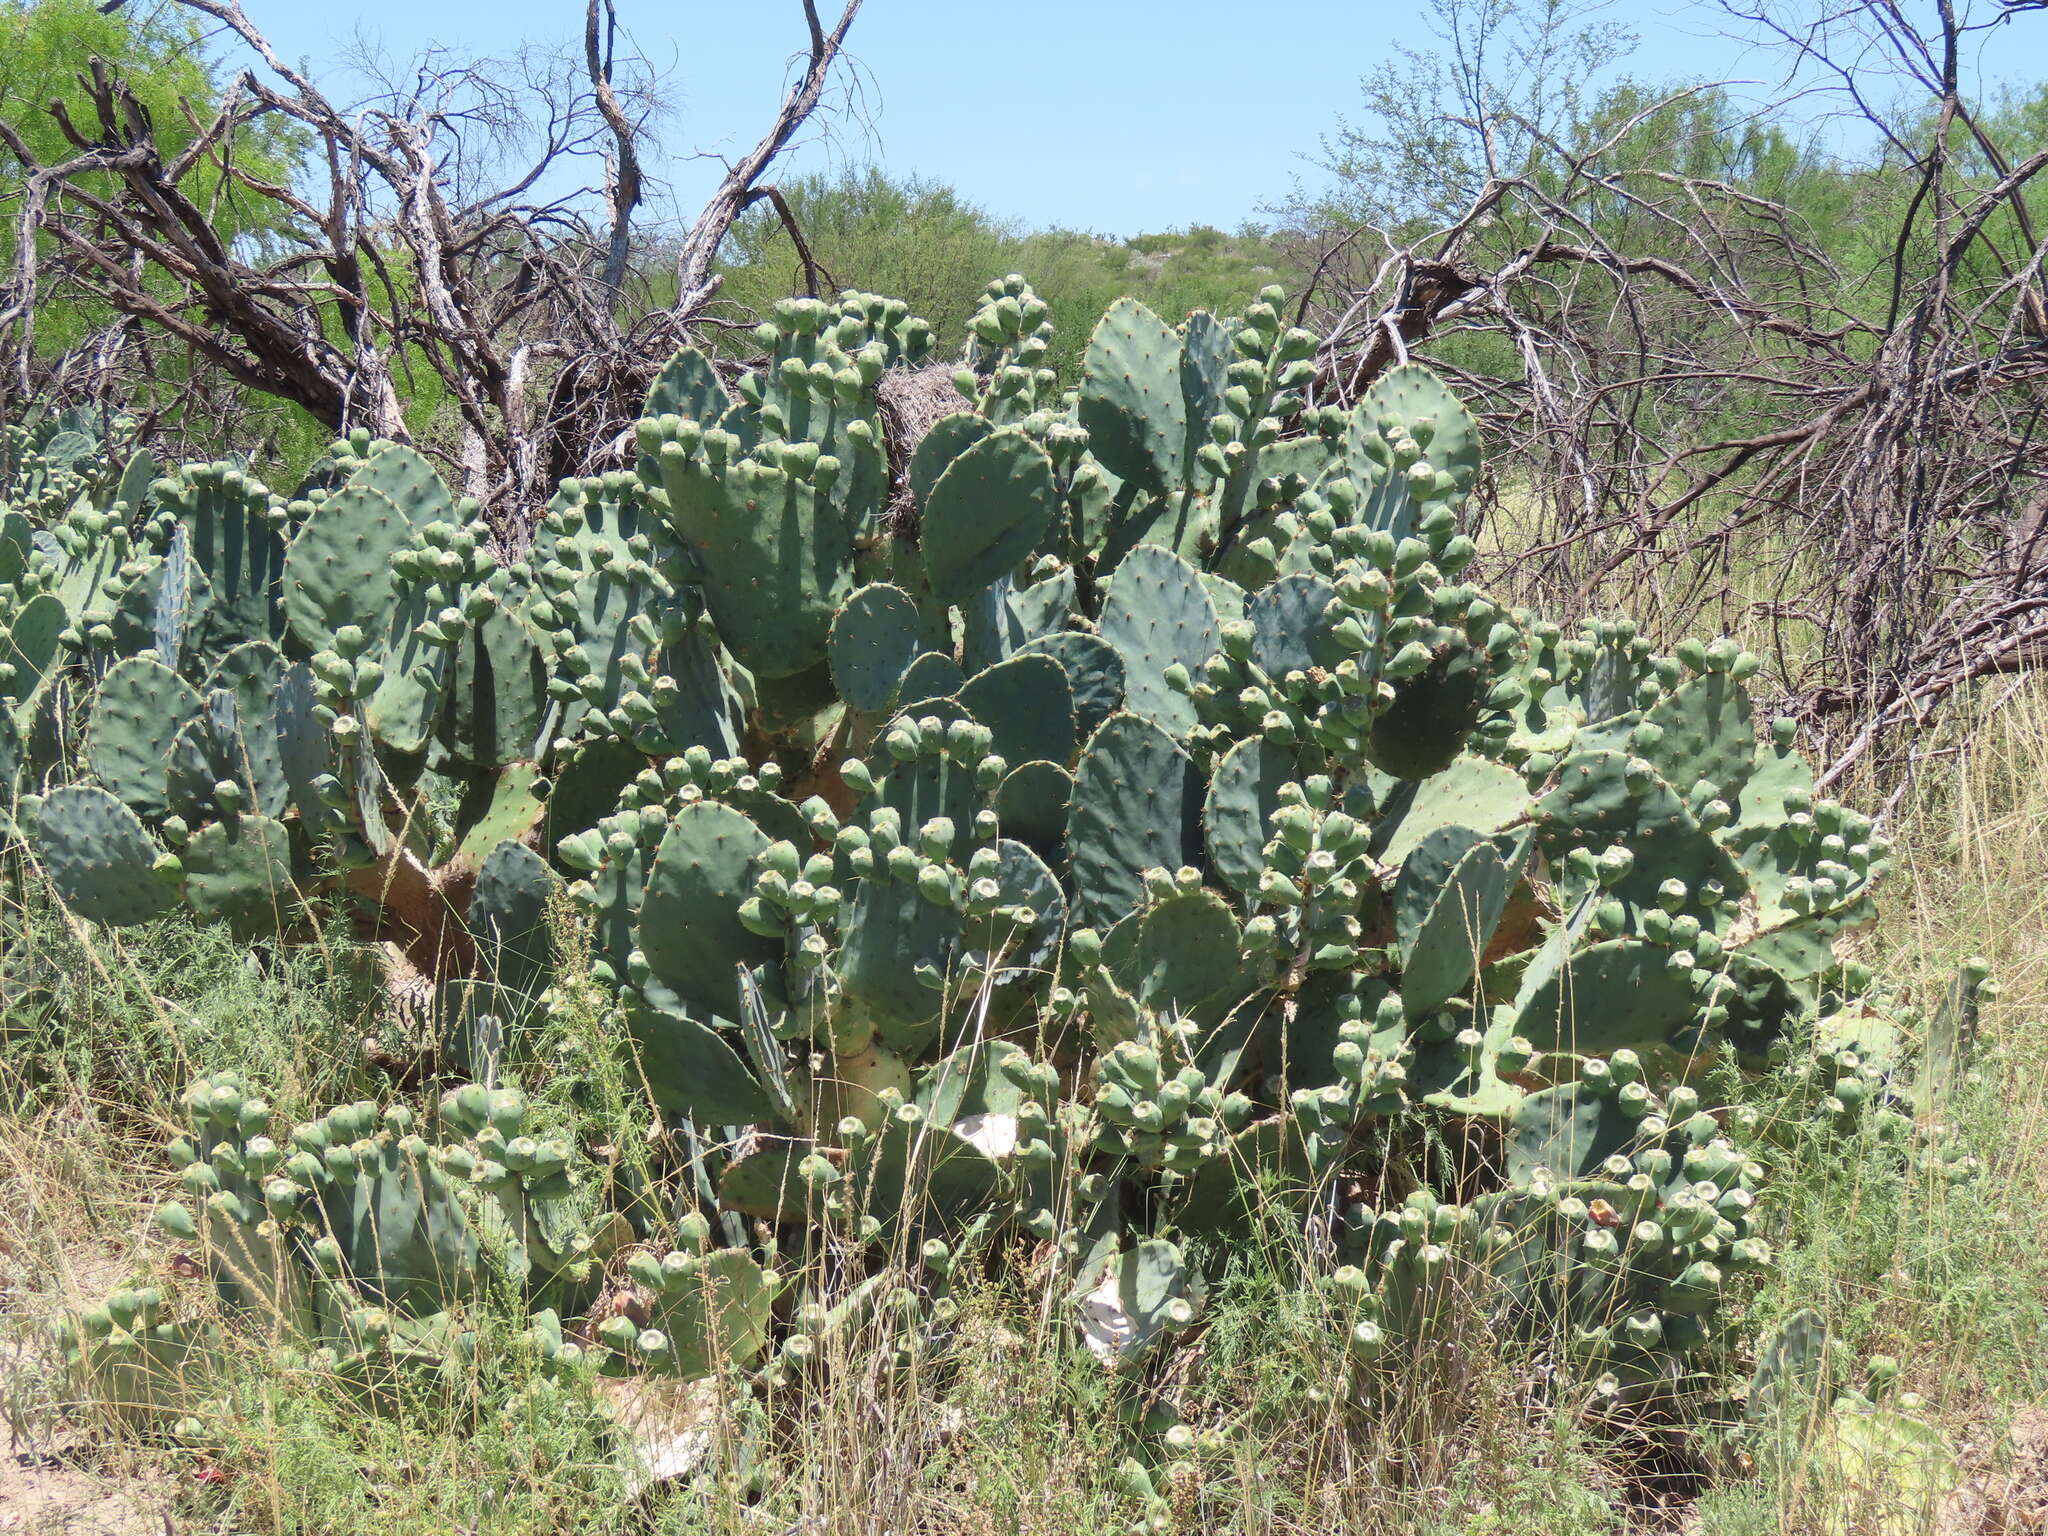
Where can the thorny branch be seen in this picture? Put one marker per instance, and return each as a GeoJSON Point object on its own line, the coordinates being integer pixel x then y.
{"type": "Point", "coordinates": [1696, 434]}
{"type": "Point", "coordinates": [401, 246]}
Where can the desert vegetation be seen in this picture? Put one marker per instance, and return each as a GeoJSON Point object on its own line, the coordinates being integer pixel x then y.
{"type": "Point", "coordinates": [838, 866]}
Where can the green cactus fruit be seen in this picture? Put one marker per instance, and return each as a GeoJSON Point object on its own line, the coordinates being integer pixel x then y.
{"type": "Point", "coordinates": [100, 858]}
{"type": "Point", "coordinates": [985, 514]}
{"type": "Point", "coordinates": [1137, 803]}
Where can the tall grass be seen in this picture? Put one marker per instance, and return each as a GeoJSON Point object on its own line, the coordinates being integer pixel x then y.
{"type": "Point", "coordinates": [1006, 1424]}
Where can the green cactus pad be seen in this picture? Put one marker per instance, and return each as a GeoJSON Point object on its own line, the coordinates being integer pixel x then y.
{"type": "Point", "coordinates": [690, 929]}
{"type": "Point", "coordinates": [1003, 618]}
{"type": "Point", "coordinates": [587, 783]}
{"type": "Point", "coordinates": [239, 872]}
{"type": "Point", "coordinates": [1291, 626]}
{"type": "Point", "coordinates": [1244, 792]}
{"type": "Point", "coordinates": [987, 512]}
{"type": "Point", "coordinates": [1431, 718]}
{"type": "Point", "coordinates": [1183, 951]}
{"type": "Point", "coordinates": [1206, 353]}
{"type": "Point", "coordinates": [305, 751]}
{"type": "Point", "coordinates": [1410, 393]}
{"type": "Point", "coordinates": [1786, 1387]}
{"type": "Point", "coordinates": [1131, 400]}
{"type": "Point", "coordinates": [1027, 881]}
{"type": "Point", "coordinates": [1448, 901]}
{"type": "Point", "coordinates": [1472, 792]}
{"type": "Point", "coordinates": [1129, 1306]}
{"type": "Point", "coordinates": [948, 438]}
{"type": "Point", "coordinates": [100, 858]}
{"type": "Point", "coordinates": [897, 955]}
{"type": "Point", "coordinates": [338, 568]}
{"type": "Point", "coordinates": [932, 677]}
{"type": "Point", "coordinates": [1569, 1130]}
{"type": "Point", "coordinates": [690, 1068]}
{"type": "Point", "coordinates": [777, 556]}
{"type": "Point", "coordinates": [508, 914]}
{"type": "Point", "coordinates": [1603, 998]}
{"type": "Point", "coordinates": [874, 639]}
{"type": "Point", "coordinates": [496, 694]}
{"type": "Point", "coordinates": [1095, 672]}
{"type": "Point", "coordinates": [1593, 806]}
{"type": "Point", "coordinates": [140, 707]}
{"type": "Point", "coordinates": [981, 1078]}
{"type": "Point", "coordinates": [217, 748]}
{"type": "Point", "coordinates": [235, 543]}
{"type": "Point", "coordinates": [1033, 803]}
{"type": "Point", "coordinates": [924, 1174]}
{"type": "Point", "coordinates": [166, 606]}
{"type": "Point", "coordinates": [410, 481]}
{"type": "Point", "coordinates": [689, 387]}
{"type": "Point", "coordinates": [30, 644]}
{"type": "Point", "coordinates": [1137, 806]}
{"type": "Point", "coordinates": [498, 809]}
{"type": "Point", "coordinates": [714, 1319]}
{"type": "Point", "coordinates": [1028, 703]}
{"type": "Point", "coordinates": [253, 674]}
{"type": "Point", "coordinates": [1702, 731]}
{"type": "Point", "coordinates": [1157, 613]}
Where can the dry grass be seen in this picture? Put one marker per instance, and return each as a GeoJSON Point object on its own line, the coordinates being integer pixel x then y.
{"type": "Point", "coordinates": [1011, 1429]}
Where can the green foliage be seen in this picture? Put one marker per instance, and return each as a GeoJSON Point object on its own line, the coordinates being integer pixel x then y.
{"type": "Point", "coordinates": [922, 241]}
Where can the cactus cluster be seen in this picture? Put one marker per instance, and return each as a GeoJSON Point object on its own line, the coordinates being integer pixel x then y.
{"type": "Point", "coordinates": [1144, 832]}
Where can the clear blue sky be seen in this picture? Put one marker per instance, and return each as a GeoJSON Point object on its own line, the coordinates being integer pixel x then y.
{"type": "Point", "coordinates": [1119, 116]}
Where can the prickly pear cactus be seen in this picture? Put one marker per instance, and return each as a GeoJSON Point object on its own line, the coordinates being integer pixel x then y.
{"type": "Point", "coordinates": [1119, 800]}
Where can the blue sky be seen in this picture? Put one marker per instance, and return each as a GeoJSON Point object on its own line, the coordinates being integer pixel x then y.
{"type": "Point", "coordinates": [1119, 116]}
